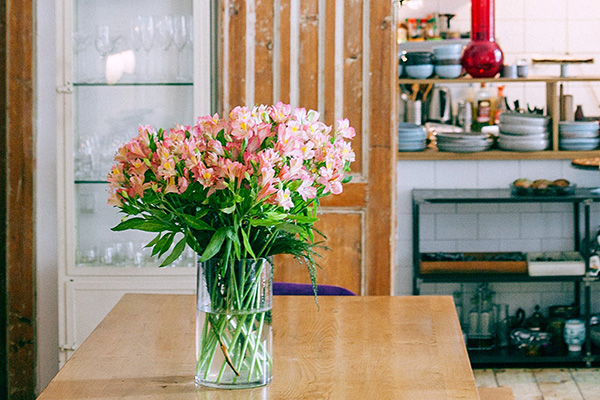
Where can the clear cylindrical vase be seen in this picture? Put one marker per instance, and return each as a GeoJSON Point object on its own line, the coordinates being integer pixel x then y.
{"type": "Point", "coordinates": [233, 323]}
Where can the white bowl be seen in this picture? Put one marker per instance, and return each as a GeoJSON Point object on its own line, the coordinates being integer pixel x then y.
{"type": "Point", "coordinates": [579, 134]}
{"type": "Point", "coordinates": [411, 146]}
{"type": "Point", "coordinates": [523, 145]}
{"type": "Point", "coordinates": [573, 126]}
{"type": "Point", "coordinates": [448, 71]}
{"type": "Point", "coordinates": [520, 138]}
{"type": "Point", "coordinates": [518, 129]}
{"type": "Point", "coordinates": [578, 144]}
{"type": "Point", "coordinates": [422, 71]}
{"type": "Point", "coordinates": [523, 119]}
{"type": "Point", "coordinates": [448, 51]}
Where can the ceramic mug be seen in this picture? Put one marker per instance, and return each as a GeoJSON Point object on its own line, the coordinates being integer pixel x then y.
{"type": "Point", "coordinates": [574, 334]}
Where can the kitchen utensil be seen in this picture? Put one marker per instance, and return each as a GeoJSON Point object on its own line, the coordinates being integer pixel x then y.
{"type": "Point", "coordinates": [440, 105]}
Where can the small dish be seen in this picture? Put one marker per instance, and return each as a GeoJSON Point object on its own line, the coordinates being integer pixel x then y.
{"type": "Point", "coordinates": [524, 145]}
{"type": "Point", "coordinates": [523, 119]}
{"type": "Point", "coordinates": [448, 71]}
{"type": "Point", "coordinates": [422, 71]}
{"type": "Point", "coordinates": [518, 129]}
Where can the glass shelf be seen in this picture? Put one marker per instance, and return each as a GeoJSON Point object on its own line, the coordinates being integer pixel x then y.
{"type": "Point", "coordinates": [139, 84]}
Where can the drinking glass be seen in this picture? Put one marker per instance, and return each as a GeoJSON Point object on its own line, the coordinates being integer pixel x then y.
{"type": "Point", "coordinates": [164, 37]}
{"type": "Point", "coordinates": [104, 45]}
{"type": "Point", "coordinates": [181, 38]}
{"type": "Point", "coordinates": [135, 37]}
{"type": "Point", "coordinates": [81, 41]}
{"type": "Point", "coordinates": [147, 38]}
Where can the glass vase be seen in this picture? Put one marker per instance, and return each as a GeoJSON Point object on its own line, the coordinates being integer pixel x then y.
{"type": "Point", "coordinates": [482, 57]}
{"type": "Point", "coordinates": [233, 323]}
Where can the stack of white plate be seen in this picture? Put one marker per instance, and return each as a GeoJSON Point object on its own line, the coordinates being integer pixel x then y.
{"type": "Point", "coordinates": [523, 132]}
{"type": "Point", "coordinates": [463, 142]}
{"type": "Point", "coordinates": [578, 135]}
{"type": "Point", "coordinates": [411, 137]}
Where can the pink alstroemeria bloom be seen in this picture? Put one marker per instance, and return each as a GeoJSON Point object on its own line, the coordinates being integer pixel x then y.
{"type": "Point", "coordinates": [138, 185]}
{"type": "Point", "coordinates": [344, 129]}
{"type": "Point", "coordinates": [280, 113]}
{"type": "Point", "coordinates": [284, 199]}
{"type": "Point", "coordinates": [306, 189]}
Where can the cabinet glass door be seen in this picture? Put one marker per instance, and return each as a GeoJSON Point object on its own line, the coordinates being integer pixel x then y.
{"type": "Point", "coordinates": [131, 65]}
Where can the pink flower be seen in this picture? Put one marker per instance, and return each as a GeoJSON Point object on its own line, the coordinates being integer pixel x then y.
{"type": "Point", "coordinates": [138, 185]}
{"type": "Point", "coordinates": [284, 199]}
{"type": "Point", "coordinates": [280, 113]}
{"type": "Point", "coordinates": [306, 189]}
{"type": "Point", "coordinates": [344, 129]}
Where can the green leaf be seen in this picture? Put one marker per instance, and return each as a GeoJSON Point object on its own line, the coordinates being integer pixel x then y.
{"type": "Point", "coordinates": [275, 215]}
{"type": "Point", "coordinates": [197, 223]}
{"type": "Point", "coordinates": [163, 244]}
{"type": "Point", "coordinates": [289, 228]}
{"type": "Point", "coordinates": [216, 241]}
{"type": "Point", "coordinates": [247, 243]}
{"type": "Point", "coordinates": [263, 222]}
{"type": "Point", "coordinates": [142, 225]}
{"type": "Point", "coordinates": [153, 241]}
{"type": "Point", "coordinates": [347, 179]}
{"type": "Point", "coordinates": [228, 210]}
{"type": "Point", "coordinates": [303, 219]}
{"type": "Point", "coordinates": [177, 250]}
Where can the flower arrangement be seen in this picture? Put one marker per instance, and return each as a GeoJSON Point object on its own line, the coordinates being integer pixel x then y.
{"type": "Point", "coordinates": [240, 188]}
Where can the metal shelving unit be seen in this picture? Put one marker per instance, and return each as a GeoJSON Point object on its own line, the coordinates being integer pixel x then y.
{"type": "Point", "coordinates": [581, 200]}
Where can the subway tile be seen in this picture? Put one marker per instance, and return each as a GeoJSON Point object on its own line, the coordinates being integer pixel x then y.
{"type": "Point", "coordinates": [568, 227]}
{"type": "Point", "coordinates": [403, 281]}
{"type": "Point", "coordinates": [404, 227]}
{"type": "Point", "coordinates": [519, 207]}
{"type": "Point", "coordinates": [540, 169]}
{"type": "Point", "coordinates": [404, 253]}
{"type": "Point", "coordinates": [427, 227]}
{"type": "Point", "coordinates": [438, 209]}
{"type": "Point", "coordinates": [545, 9]}
{"type": "Point", "coordinates": [544, 36]}
{"type": "Point", "coordinates": [497, 174]}
{"type": "Point", "coordinates": [508, 10]}
{"type": "Point", "coordinates": [523, 245]}
{"type": "Point", "coordinates": [557, 244]}
{"type": "Point", "coordinates": [456, 174]}
{"type": "Point", "coordinates": [579, 36]}
{"type": "Point", "coordinates": [478, 245]}
{"type": "Point", "coordinates": [510, 35]}
{"type": "Point", "coordinates": [557, 207]}
{"type": "Point", "coordinates": [535, 96]}
{"type": "Point", "coordinates": [542, 225]}
{"type": "Point", "coordinates": [455, 226]}
{"type": "Point", "coordinates": [555, 298]}
{"type": "Point", "coordinates": [583, 10]}
{"type": "Point", "coordinates": [498, 226]}
{"type": "Point", "coordinates": [469, 208]}
{"type": "Point", "coordinates": [416, 174]}
{"type": "Point", "coordinates": [404, 200]}
{"type": "Point", "coordinates": [435, 246]}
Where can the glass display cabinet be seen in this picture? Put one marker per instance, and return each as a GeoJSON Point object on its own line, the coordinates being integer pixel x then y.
{"type": "Point", "coordinates": [121, 64]}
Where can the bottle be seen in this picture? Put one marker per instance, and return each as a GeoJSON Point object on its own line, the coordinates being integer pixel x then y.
{"type": "Point", "coordinates": [500, 104]}
{"type": "Point", "coordinates": [579, 113]}
{"type": "Point", "coordinates": [483, 108]}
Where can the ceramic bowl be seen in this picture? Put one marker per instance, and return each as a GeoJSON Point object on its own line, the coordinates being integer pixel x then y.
{"type": "Point", "coordinates": [573, 126]}
{"type": "Point", "coordinates": [517, 129]}
{"type": "Point", "coordinates": [523, 119]}
{"type": "Point", "coordinates": [523, 145]}
{"type": "Point", "coordinates": [448, 71]}
{"type": "Point", "coordinates": [422, 71]}
{"type": "Point", "coordinates": [578, 144]}
{"type": "Point", "coordinates": [449, 51]}
{"type": "Point", "coordinates": [419, 58]}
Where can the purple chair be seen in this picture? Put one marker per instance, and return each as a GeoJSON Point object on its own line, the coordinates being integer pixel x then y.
{"type": "Point", "coordinates": [305, 289]}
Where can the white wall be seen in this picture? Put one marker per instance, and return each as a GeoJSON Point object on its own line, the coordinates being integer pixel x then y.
{"type": "Point", "coordinates": [45, 214]}
{"type": "Point", "coordinates": [524, 28]}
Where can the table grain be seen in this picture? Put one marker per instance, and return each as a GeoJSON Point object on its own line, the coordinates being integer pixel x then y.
{"type": "Point", "coordinates": [371, 347]}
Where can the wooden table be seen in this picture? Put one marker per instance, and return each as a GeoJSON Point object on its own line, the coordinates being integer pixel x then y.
{"type": "Point", "coordinates": [352, 348]}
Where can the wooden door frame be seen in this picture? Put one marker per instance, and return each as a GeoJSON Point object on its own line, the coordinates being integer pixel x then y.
{"type": "Point", "coordinates": [18, 165]}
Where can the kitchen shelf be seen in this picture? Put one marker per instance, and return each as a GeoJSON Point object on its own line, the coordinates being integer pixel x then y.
{"type": "Point", "coordinates": [552, 110]}
{"type": "Point", "coordinates": [581, 198]}
{"type": "Point", "coordinates": [435, 154]}
{"type": "Point", "coordinates": [499, 357]}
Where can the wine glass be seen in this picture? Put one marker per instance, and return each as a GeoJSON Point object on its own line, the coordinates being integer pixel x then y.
{"type": "Point", "coordinates": [164, 36]}
{"type": "Point", "coordinates": [135, 36]}
{"type": "Point", "coordinates": [147, 39]}
{"type": "Point", "coordinates": [180, 39]}
{"type": "Point", "coordinates": [81, 41]}
{"type": "Point", "coordinates": [104, 45]}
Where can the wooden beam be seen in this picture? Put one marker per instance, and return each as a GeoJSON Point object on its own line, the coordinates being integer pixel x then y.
{"type": "Point", "coordinates": [18, 163]}
{"type": "Point", "coordinates": [382, 149]}
{"type": "Point", "coordinates": [3, 294]}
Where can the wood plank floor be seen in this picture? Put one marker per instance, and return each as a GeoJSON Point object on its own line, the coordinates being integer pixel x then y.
{"type": "Point", "coordinates": [544, 384]}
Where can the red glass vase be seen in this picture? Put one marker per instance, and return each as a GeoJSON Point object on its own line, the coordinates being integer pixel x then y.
{"type": "Point", "coordinates": [482, 57]}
